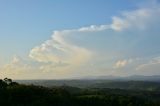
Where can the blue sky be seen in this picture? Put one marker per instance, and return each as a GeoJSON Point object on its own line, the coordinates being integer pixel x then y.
{"type": "Point", "coordinates": [65, 39]}
{"type": "Point", "coordinates": [34, 20]}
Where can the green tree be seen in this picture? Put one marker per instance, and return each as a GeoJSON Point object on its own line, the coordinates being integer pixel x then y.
{"type": "Point", "coordinates": [8, 80]}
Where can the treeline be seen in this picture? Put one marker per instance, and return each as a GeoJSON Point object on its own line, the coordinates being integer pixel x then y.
{"type": "Point", "coordinates": [14, 94]}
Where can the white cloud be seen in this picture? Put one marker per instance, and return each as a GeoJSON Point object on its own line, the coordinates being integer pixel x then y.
{"type": "Point", "coordinates": [60, 50]}
{"type": "Point", "coordinates": [122, 63]}
{"type": "Point", "coordinates": [137, 19]}
{"type": "Point", "coordinates": [150, 67]}
{"type": "Point", "coordinates": [17, 68]}
{"type": "Point", "coordinates": [94, 28]}
{"type": "Point", "coordinates": [153, 61]}
{"type": "Point", "coordinates": [57, 50]}
{"type": "Point", "coordinates": [119, 24]}
{"type": "Point", "coordinates": [15, 59]}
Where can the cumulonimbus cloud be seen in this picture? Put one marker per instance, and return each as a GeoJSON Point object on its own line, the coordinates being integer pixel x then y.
{"type": "Point", "coordinates": [59, 50]}
{"type": "Point", "coordinates": [59, 57]}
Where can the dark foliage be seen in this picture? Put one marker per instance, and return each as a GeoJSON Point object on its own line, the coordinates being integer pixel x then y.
{"type": "Point", "coordinates": [14, 94]}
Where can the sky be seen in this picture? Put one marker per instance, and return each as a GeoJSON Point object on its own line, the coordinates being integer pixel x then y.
{"type": "Point", "coordinates": [58, 39]}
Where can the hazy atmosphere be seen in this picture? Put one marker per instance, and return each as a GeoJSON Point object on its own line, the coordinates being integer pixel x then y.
{"type": "Point", "coordinates": [58, 39]}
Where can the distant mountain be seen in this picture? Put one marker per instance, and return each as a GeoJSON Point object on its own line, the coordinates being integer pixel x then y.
{"type": "Point", "coordinates": [127, 78]}
{"type": "Point", "coordinates": [144, 78]}
{"type": "Point", "coordinates": [129, 82]}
